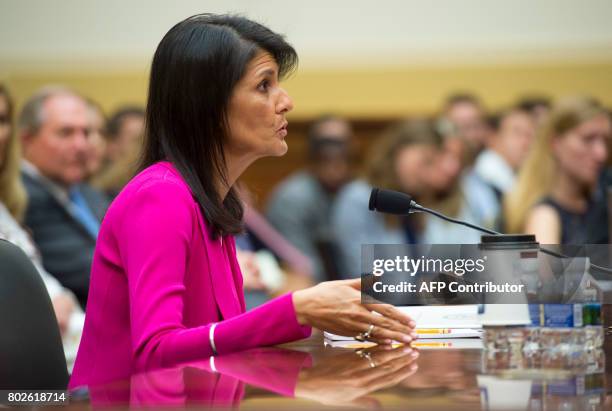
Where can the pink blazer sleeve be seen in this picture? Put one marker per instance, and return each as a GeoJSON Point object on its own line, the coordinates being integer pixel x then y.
{"type": "Point", "coordinates": [154, 236]}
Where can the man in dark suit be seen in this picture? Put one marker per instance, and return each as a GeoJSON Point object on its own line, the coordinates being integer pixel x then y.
{"type": "Point", "coordinates": [63, 213]}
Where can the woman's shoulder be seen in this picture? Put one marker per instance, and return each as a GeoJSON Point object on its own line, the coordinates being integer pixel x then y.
{"type": "Point", "coordinates": [544, 220]}
{"type": "Point", "coordinates": [159, 186]}
{"type": "Point", "coordinates": [161, 176]}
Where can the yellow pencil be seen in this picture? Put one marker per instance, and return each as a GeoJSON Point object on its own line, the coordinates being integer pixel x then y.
{"type": "Point", "coordinates": [433, 330]}
{"type": "Point", "coordinates": [420, 344]}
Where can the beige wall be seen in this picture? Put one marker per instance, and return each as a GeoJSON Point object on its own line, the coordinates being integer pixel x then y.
{"type": "Point", "coordinates": [367, 93]}
{"type": "Point", "coordinates": [361, 58]}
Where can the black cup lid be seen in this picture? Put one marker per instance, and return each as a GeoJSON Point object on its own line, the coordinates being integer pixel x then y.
{"type": "Point", "coordinates": [507, 238]}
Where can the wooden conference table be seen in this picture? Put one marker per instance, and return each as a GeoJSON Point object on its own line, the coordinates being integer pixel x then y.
{"type": "Point", "coordinates": [307, 375]}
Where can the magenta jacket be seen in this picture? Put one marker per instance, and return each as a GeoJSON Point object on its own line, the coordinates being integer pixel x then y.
{"type": "Point", "coordinates": [158, 283]}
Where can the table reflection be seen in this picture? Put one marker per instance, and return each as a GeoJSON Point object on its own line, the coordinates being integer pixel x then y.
{"type": "Point", "coordinates": [309, 375]}
{"type": "Point", "coordinates": [544, 381]}
{"type": "Point", "coordinates": [343, 379]}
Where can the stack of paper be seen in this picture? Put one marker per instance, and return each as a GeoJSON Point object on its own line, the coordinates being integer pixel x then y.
{"type": "Point", "coordinates": [421, 344]}
{"type": "Point", "coordinates": [437, 322]}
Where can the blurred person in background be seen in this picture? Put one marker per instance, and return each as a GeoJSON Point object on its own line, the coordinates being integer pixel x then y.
{"type": "Point", "coordinates": [537, 106]}
{"type": "Point", "coordinates": [97, 140]}
{"type": "Point", "coordinates": [63, 213]}
{"type": "Point", "coordinates": [554, 195]}
{"type": "Point", "coordinates": [300, 206]}
{"type": "Point", "coordinates": [507, 149]}
{"type": "Point", "coordinates": [125, 128]}
{"type": "Point", "coordinates": [465, 115]}
{"type": "Point", "coordinates": [270, 264]}
{"type": "Point", "coordinates": [124, 136]}
{"type": "Point", "coordinates": [403, 159]}
{"type": "Point", "coordinates": [459, 193]}
{"type": "Point", "coordinates": [13, 200]}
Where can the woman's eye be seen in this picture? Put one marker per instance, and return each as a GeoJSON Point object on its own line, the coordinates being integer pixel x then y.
{"type": "Point", "coordinates": [589, 138]}
{"type": "Point", "coordinates": [263, 86]}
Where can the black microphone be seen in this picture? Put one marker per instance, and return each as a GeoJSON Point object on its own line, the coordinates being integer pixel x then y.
{"type": "Point", "coordinates": [394, 202]}
{"type": "Point", "coordinates": [391, 202]}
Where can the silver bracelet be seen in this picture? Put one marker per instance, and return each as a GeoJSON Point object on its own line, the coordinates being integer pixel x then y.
{"type": "Point", "coordinates": [212, 364]}
{"type": "Point", "coordinates": [211, 337]}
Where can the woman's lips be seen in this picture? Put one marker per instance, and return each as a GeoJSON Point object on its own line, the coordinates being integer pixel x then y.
{"type": "Point", "coordinates": [282, 131]}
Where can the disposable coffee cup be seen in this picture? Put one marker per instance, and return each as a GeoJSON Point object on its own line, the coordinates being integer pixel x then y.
{"type": "Point", "coordinates": [506, 255]}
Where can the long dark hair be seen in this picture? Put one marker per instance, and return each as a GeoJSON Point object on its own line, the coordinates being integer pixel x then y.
{"type": "Point", "coordinates": [194, 71]}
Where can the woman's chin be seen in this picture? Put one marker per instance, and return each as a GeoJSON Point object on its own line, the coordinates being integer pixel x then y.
{"type": "Point", "coordinates": [280, 149]}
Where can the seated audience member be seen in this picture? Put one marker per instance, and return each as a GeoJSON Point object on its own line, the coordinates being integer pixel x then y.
{"type": "Point", "coordinates": [403, 159]}
{"type": "Point", "coordinates": [465, 115]}
{"type": "Point", "coordinates": [270, 264]}
{"type": "Point", "coordinates": [459, 193]}
{"type": "Point", "coordinates": [265, 276]}
{"type": "Point", "coordinates": [300, 207]}
{"type": "Point", "coordinates": [554, 195]}
{"type": "Point", "coordinates": [507, 149]}
{"type": "Point", "coordinates": [598, 224]}
{"type": "Point", "coordinates": [125, 129]}
{"type": "Point", "coordinates": [97, 141]}
{"type": "Point", "coordinates": [537, 106]}
{"type": "Point", "coordinates": [124, 134]}
{"type": "Point", "coordinates": [12, 206]}
{"type": "Point", "coordinates": [63, 213]}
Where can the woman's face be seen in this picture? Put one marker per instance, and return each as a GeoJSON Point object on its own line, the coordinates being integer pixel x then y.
{"type": "Point", "coordinates": [256, 113]}
{"type": "Point", "coordinates": [5, 127]}
{"type": "Point", "coordinates": [414, 166]}
{"type": "Point", "coordinates": [582, 152]}
{"type": "Point", "coordinates": [447, 167]}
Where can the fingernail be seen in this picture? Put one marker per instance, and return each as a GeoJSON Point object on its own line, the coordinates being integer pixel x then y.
{"type": "Point", "coordinates": [414, 354]}
{"type": "Point", "coordinates": [414, 335]}
{"type": "Point", "coordinates": [414, 367]}
{"type": "Point", "coordinates": [412, 324]}
{"type": "Point", "coordinates": [406, 338]}
{"type": "Point", "coordinates": [407, 350]}
{"type": "Point", "coordinates": [387, 341]}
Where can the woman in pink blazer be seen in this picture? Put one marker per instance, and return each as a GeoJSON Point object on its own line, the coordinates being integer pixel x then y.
{"type": "Point", "coordinates": [165, 284]}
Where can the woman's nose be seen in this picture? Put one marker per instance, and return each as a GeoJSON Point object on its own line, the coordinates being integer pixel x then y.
{"type": "Point", "coordinates": [285, 103]}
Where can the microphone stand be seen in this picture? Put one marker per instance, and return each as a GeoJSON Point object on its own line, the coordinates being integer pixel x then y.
{"type": "Point", "coordinates": [415, 207]}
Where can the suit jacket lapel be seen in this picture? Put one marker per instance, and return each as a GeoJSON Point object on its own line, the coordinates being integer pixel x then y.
{"type": "Point", "coordinates": [230, 250]}
{"type": "Point", "coordinates": [230, 303]}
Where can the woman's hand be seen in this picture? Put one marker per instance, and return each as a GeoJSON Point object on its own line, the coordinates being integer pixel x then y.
{"type": "Point", "coordinates": [335, 306]}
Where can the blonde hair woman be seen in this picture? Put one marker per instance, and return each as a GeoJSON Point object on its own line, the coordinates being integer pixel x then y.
{"type": "Point", "coordinates": [12, 192]}
{"type": "Point", "coordinates": [553, 194]}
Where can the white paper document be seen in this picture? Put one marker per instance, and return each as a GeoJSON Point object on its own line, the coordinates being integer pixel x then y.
{"type": "Point", "coordinates": [437, 321]}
